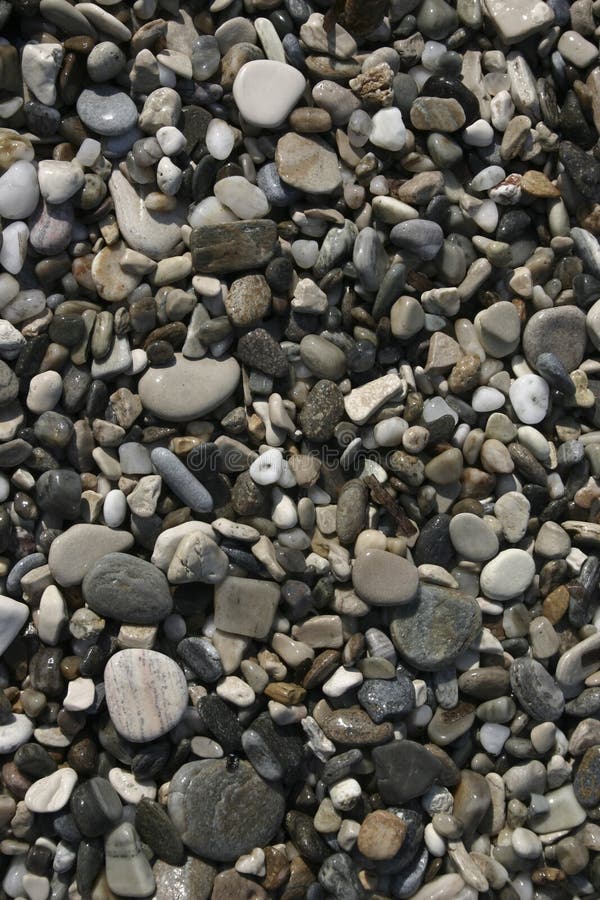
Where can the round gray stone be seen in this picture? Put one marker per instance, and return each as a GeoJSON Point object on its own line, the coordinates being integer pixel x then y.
{"type": "Point", "coordinates": [128, 589]}
{"type": "Point", "coordinates": [560, 330]}
{"type": "Point", "coordinates": [223, 810]}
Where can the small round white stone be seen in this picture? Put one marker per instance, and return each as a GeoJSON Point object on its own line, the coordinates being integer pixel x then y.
{"type": "Point", "coordinates": [171, 140]}
{"type": "Point", "coordinates": [342, 680]}
{"type": "Point", "coordinates": [237, 691]}
{"type": "Point", "coordinates": [266, 91]}
{"type": "Point", "coordinates": [492, 737]}
{"type": "Point", "coordinates": [80, 694]}
{"type": "Point", "coordinates": [530, 398]}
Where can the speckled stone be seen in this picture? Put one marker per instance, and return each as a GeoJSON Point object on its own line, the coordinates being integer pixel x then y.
{"type": "Point", "coordinates": [205, 800]}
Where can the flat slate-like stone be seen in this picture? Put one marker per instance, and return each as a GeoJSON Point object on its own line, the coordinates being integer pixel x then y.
{"type": "Point", "coordinates": [146, 693]}
{"type": "Point", "coordinates": [404, 770]}
{"type": "Point", "coordinates": [233, 246]}
{"type": "Point", "coordinates": [433, 630]}
{"type": "Point", "coordinates": [123, 587]}
{"type": "Point", "coordinates": [246, 606]}
{"type": "Point", "coordinates": [223, 811]}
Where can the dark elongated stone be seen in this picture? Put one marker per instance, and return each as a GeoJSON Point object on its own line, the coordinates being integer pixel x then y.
{"type": "Point", "coordinates": [537, 691]}
{"type": "Point", "coordinates": [233, 246]}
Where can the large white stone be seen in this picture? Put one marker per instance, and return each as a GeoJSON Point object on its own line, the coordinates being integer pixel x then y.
{"type": "Point", "coordinates": [13, 616]}
{"type": "Point", "coordinates": [266, 91]}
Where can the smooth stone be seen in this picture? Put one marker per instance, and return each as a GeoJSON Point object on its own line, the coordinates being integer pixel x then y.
{"type": "Point", "coordinates": [15, 732]}
{"type": "Point", "coordinates": [515, 20]}
{"type": "Point", "coordinates": [193, 879]}
{"type": "Point", "coordinates": [40, 64]}
{"type": "Point", "coordinates": [181, 480]}
{"type": "Point", "coordinates": [560, 330]}
{"type": "Point", "coordinates": [308, 164]}
{"type": "Point", "coordinates": [498, 328]}
{"type": "Point", "coordinates": [362, 402]}
{"type": "Point", "coordinates": [244, 199]}
{"type": "Point", "coordinates": [537, 691]}
{"type": "Point", "coordinates": [246, 606]}
{"type": "Point", "coordinates": [586, 784]}
{"type": "Point", "coordinates": [128, 871]}
{"type": "Point", "coordinates": [106, 110]}
{"type": "Point", "coordinates": [155, 233]}
{"type": "Point", "coordinates": [404, 770]}
{"type": "Point", "coordinates": [140, 714]}
{"type": "Point", "coordinates": [431, 632]}
{"type": "Point", "coordinates": [202, 657]}
{"type": "Point", "coordinates": [13, 251]}
{"type": "Point", "coordinates": [19, 190]}
{"type": "Point", "coordinates": [388, 130]}
{"type": "Point", "coordinates": [322, 357]}
{"type": "Point", "coordinates": [472, 537]}
{"type": "Point", "coordinates": [13, 616]}
{"type": "Point", "coordinates": [508, 575]}
{"type": "Point", "coordinates": [205, 801]}
{"type": "Point", "coordinates": [123, 587]}
{"type": "Point", "coordinates": [564, 812]}
{"type": "Point", "coordinates": [445, 115]}
{"type": "Point", "coordinates": [259, 78]}
{"type": "Point", "coordinates": [51, 793]}
{"type": "Point", "coordinates": [58, 180]}
{"type": "Point", "coordinates": [420, 236]}
{"type": "Point", "coordinates": [74, 552]}
{"type": "Point", "coordinates": [530, 398]}
{"type": "Point", "coordinates": [188, 389]}
{"type": "Point", "coordinates": [384, 579]}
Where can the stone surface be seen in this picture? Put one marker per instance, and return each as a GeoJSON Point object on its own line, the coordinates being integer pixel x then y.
{"type": "Point", "coordinates": [383, 579]}
{"type": "Point", "coordinates": [283, 84]}
{"type": "Point", "coordinates": [205, 799]}
{"type": "Point", "coordinates": [308, 164]}
{"type": "Point", "coordinates": [436, 627]}
{"type": "Point", "coordinates": [122, 587]}
{"type": "Point", "coordinates": [146, 693]}
{"type": "Point", "coordinates": [189, 388]}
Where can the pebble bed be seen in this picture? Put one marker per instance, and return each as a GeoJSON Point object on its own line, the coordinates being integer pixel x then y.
{"type": "Point", "coordinates": [300, 449]}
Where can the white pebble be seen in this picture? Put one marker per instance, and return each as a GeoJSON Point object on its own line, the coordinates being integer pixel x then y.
{"type": "Point", "coordinates": [434, 842]}
{"type": "Point", "coordinates": [219, 139]}
{"type": "Point", "coordinates": [170, 139]}
{"type": "Point", "coordinates": [487, 399]}
{"type": "Point", "coordinates": [44, 392]}
{"type": "Point", "coordinates": [114, 508]}
{"type": "Point", "coordinates": [479, 134]}
{"type": "Point", "coordinates": [267, 468]}
{"type": "Point", "coordinates": [530, 398]}
{"type": "Point", "coordinates": [388, 130]}
{"type": "Point", "coordinates": [344, 794]}
{"type": "Point", "coordinates": [129, 788]}
{"type": "Point", "coordinates": [51, 793]}
{"type": "Point", "coordinates": [283, 511]}
{"type": "Point", "coordinates": [13, 251]}
{"type": "Point", "coordinates": [493, 736]}
{"type": "Point", "coordinates": [237, 691]}
{"type": "Point", "coordinates": [80, 694]}
{"type": "Point", "coordinates": [525, 843]}
{"type": "Point", "coordinates": [342, 680]}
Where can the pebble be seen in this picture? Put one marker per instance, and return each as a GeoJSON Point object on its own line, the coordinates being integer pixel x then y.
{"type": "Point", "coordinates": [122, 587]}
{"type": "Point", "coordinates": [137, 714]}
{"type": "Point", "coordinates": [51, 793]}
{"type": "Point", "coordinates": [306, 163]}
{"type": "Point", "coordinates": [284, 85]}
{"type": "Point", "coordinates": [508, 575]}
{"type": "Point", "coordinates": [383, 579]}
{"type": "Point", "coordinates": [211, 828]}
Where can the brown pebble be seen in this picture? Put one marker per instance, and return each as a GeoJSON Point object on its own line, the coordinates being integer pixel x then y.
{"type": "Point", "coordinates": [277, 869]}
{"type": "Point", "coordinates": [309, 120]}
{"type": "Point", "coordinates": [556, 604]}
{"type": "Point", "coordinates": [381, 835]}
{"type": "Point", "coordinates": [284, 692]}
{"type": "Point", "coordinates": [323, 666]}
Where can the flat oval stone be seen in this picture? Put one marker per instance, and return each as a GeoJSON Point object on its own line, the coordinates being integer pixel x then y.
{"type": "Point", "coordinates": [51, 793]}
{"type": "Point", "coordinates": [473, 538]}
{"type": "Point", "coordinates": [146, 693]}
{"type": "Point", "coordinates": [128, 589]}
{"type": "Point", "coordinates": [384, 579]}
{"type": "Point", "coordinates": [106, 110]}
{"type": "Point", "coordinates": [508, 575]}
{"type": "Point", "coordinates": [223, 811]}
{"type": "Point", "coordinates": [434, 629]}
{"type": "Point", "coordinates": [261, 78]}
{"type": "Point", "coordinates": [307, 163]}
{"type": "Point", "coordinates": [76, 550]}
{"type": "Point", "coordinates": [189, 388]}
